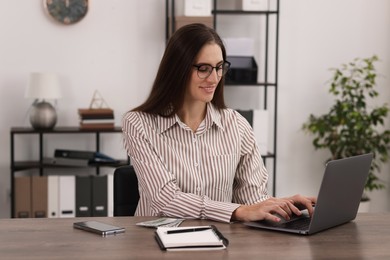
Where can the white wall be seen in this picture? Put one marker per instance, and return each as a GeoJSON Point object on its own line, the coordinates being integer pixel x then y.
{"type": "Point", "coordinates": [315, 36]}
{"type": "Point", "coordinates": [116, 49]}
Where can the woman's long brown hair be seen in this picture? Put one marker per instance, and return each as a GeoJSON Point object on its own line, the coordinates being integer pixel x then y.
{"type": "Point", "coordinates": [169, 87]}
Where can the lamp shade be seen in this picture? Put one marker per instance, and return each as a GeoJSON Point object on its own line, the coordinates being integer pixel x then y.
{"type": "Point", "coordinates": [43, 86]}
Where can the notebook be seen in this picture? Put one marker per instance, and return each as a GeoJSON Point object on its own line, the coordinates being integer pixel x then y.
{"type": "Point", "coordinates": [190, 238]}
{"type": "Point", "coordinates": [338, 199]}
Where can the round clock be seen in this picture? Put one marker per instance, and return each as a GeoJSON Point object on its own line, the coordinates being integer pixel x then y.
{"type": "Point", "coordinates": [66, 11]}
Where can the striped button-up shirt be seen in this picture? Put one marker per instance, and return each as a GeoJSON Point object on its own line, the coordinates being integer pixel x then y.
{"type": "Point", "coordinates": [203, 174]}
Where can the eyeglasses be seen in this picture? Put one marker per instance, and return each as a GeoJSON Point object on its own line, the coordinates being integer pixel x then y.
{"type": "Point", "coordinates": [205, 70]}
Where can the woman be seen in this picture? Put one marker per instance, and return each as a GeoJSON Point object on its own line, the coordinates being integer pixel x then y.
{"type": "Point", "coordinates": [195, 158]}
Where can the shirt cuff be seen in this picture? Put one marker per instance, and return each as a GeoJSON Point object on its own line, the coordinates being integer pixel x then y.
{"type": "Point", "coordinates": [219, 211]}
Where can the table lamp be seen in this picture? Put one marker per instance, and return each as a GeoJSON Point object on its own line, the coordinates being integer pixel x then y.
{"type": "Point", "coordinates": [43, 86]}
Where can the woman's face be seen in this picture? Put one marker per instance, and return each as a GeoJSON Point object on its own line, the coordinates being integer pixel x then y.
{"type": "Point", "coordinates": [202, 90]}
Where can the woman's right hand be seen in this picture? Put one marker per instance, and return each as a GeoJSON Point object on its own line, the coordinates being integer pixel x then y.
{"type": "Point", "coordinates": [266, 210]}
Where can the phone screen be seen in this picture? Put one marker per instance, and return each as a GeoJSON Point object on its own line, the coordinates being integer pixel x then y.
{"type": "Point", "coordinates": [98, 227]}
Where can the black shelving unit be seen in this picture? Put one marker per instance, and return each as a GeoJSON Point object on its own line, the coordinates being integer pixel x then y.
{"type": "Point", "coordinates": [268, 82]}
{"type": "Point", "coordinates": [39, 165]}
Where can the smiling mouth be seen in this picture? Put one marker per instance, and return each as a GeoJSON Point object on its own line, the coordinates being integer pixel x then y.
{"type": "Point", "coordinates": [208, 89]}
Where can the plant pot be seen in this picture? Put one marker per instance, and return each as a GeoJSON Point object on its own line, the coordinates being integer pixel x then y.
{"type": "Point", "coordinates": [364, 206]}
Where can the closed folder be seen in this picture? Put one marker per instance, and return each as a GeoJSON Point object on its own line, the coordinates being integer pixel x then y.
{"type": "Point", "coordinates": [39, 196]}
{"type": "Point", "coordinates": [110, 195]}
{"type": "Point", "coordinates": [99, 196]}
{"type": "Point", "coordinates": [22, 197]}
{"type": "Point", "coordinates": [83, 196]}
{"type": "Point", "coordinates": [52, 196]}
{"type": "Point", "coordinates": [67, 193]}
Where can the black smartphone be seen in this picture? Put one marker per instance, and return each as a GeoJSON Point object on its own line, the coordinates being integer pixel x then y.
{"type": "Point", "coordinates": [98, 228]}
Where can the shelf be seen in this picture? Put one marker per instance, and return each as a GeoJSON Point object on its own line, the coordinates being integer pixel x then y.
{"type": "Point", "coordinates": [40, 165]}
{"type": "Point", "coordinates": [238, 12]}
{"type": "Point", "coordinates": [63, 130]}
{"type": "Point", "coordinates": [261, 84]}
{"type": "Point", "coordinates": [27, 165]}
{"type": "Point", "coordinates": [268, 155]}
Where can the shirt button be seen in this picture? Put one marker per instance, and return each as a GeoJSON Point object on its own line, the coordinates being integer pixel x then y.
{"type": "Point", "coordinates": [198, 189]}
{"type": "Point", "coordinates": [196, 164]}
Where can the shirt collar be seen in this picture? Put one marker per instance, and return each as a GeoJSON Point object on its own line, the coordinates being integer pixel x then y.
{"type": "Point", "coordinates": [213, 116]}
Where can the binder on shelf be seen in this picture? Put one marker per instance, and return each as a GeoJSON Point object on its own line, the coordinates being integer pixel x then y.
{"type": "Point", "coordinates": [53, 196]}
{"type": "Point", "coordinates": [73, 154]}
{"type": "Point", "coordinates": [22, 197]}
{"type": "Point", "coordinates": [66, 195]}
{"type": "Point", "coordinates": [65, 162]}
{"type": "Point", "coordinates": [92, 157]}
{"type": "Point", "coordinates": [83, 196]}
{"type": "Point", "coordinates": [110, 194]}
{"type": "Point", "coordinates": [39, 196]}
{"type": "Point", "coordinates": [99, 196]}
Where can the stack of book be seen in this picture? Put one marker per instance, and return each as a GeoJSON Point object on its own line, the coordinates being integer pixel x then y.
{"type": "Point", "coordinates": [96, 118]}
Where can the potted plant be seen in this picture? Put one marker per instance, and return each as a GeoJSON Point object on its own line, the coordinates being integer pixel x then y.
{"type": "Point", "coordinates": [353, 125]}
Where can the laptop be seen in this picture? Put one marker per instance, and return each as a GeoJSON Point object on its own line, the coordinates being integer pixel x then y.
{"type": "Point", "coordinates": [337, 202]}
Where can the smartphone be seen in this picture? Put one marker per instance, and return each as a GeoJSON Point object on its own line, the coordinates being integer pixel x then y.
{"type": "Point", "coordinates": [98, 228]}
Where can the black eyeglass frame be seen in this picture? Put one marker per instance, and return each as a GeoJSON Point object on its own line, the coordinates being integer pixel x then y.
{"type": "Point", "coordinates": [225, 68]}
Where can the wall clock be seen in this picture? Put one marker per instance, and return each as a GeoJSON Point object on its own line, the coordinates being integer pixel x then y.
{"type": "Point", "coordinates": [66, 11]}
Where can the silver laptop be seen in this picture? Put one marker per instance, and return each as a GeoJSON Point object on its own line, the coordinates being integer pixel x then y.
{"type": "Point", "coordinates": [338, 199]}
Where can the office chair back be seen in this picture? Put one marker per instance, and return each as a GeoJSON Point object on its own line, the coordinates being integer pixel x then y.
{"type": "Point", "coordinates": [126, 193]}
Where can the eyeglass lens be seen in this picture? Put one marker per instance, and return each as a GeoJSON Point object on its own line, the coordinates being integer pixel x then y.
{"type": "Point", "coordinates": [205, 70]}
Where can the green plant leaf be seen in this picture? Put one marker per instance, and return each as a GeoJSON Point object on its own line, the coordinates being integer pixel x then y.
{"type": "Point", "coordinates": [350, 127]}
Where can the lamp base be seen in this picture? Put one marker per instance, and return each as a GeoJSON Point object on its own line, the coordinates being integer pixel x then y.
{"type": "Point", "coordinates": [43, 116]}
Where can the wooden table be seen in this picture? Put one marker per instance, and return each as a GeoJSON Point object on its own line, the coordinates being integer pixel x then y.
{"type": "Point", "coordinates": [367, 237]}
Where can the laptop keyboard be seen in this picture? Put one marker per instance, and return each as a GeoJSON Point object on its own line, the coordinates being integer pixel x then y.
{"type": "Point", "coordinates": [298, 224]}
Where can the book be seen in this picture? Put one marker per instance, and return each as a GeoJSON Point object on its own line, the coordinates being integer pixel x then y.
{"type": "Point", "coordinates": [84, 126]}
{"type": "Point", "coordinates": [96, 118]}
{"type": "Point", "coordinates": [90, 117]}
{"type": "Point", "coordinates": [190, 238]}
{"type": "Point", "coordinates": [97, 121]}
{"type": "Point", "coordinates": [95, 111]}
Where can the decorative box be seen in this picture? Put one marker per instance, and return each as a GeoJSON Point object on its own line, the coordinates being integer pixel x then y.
{"type": "Point", "coordinates": [197, 7]}
{"type": "Point", "coordinates": [254, 5]}
{"type": "Point", "coordinates": [243, 70]}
